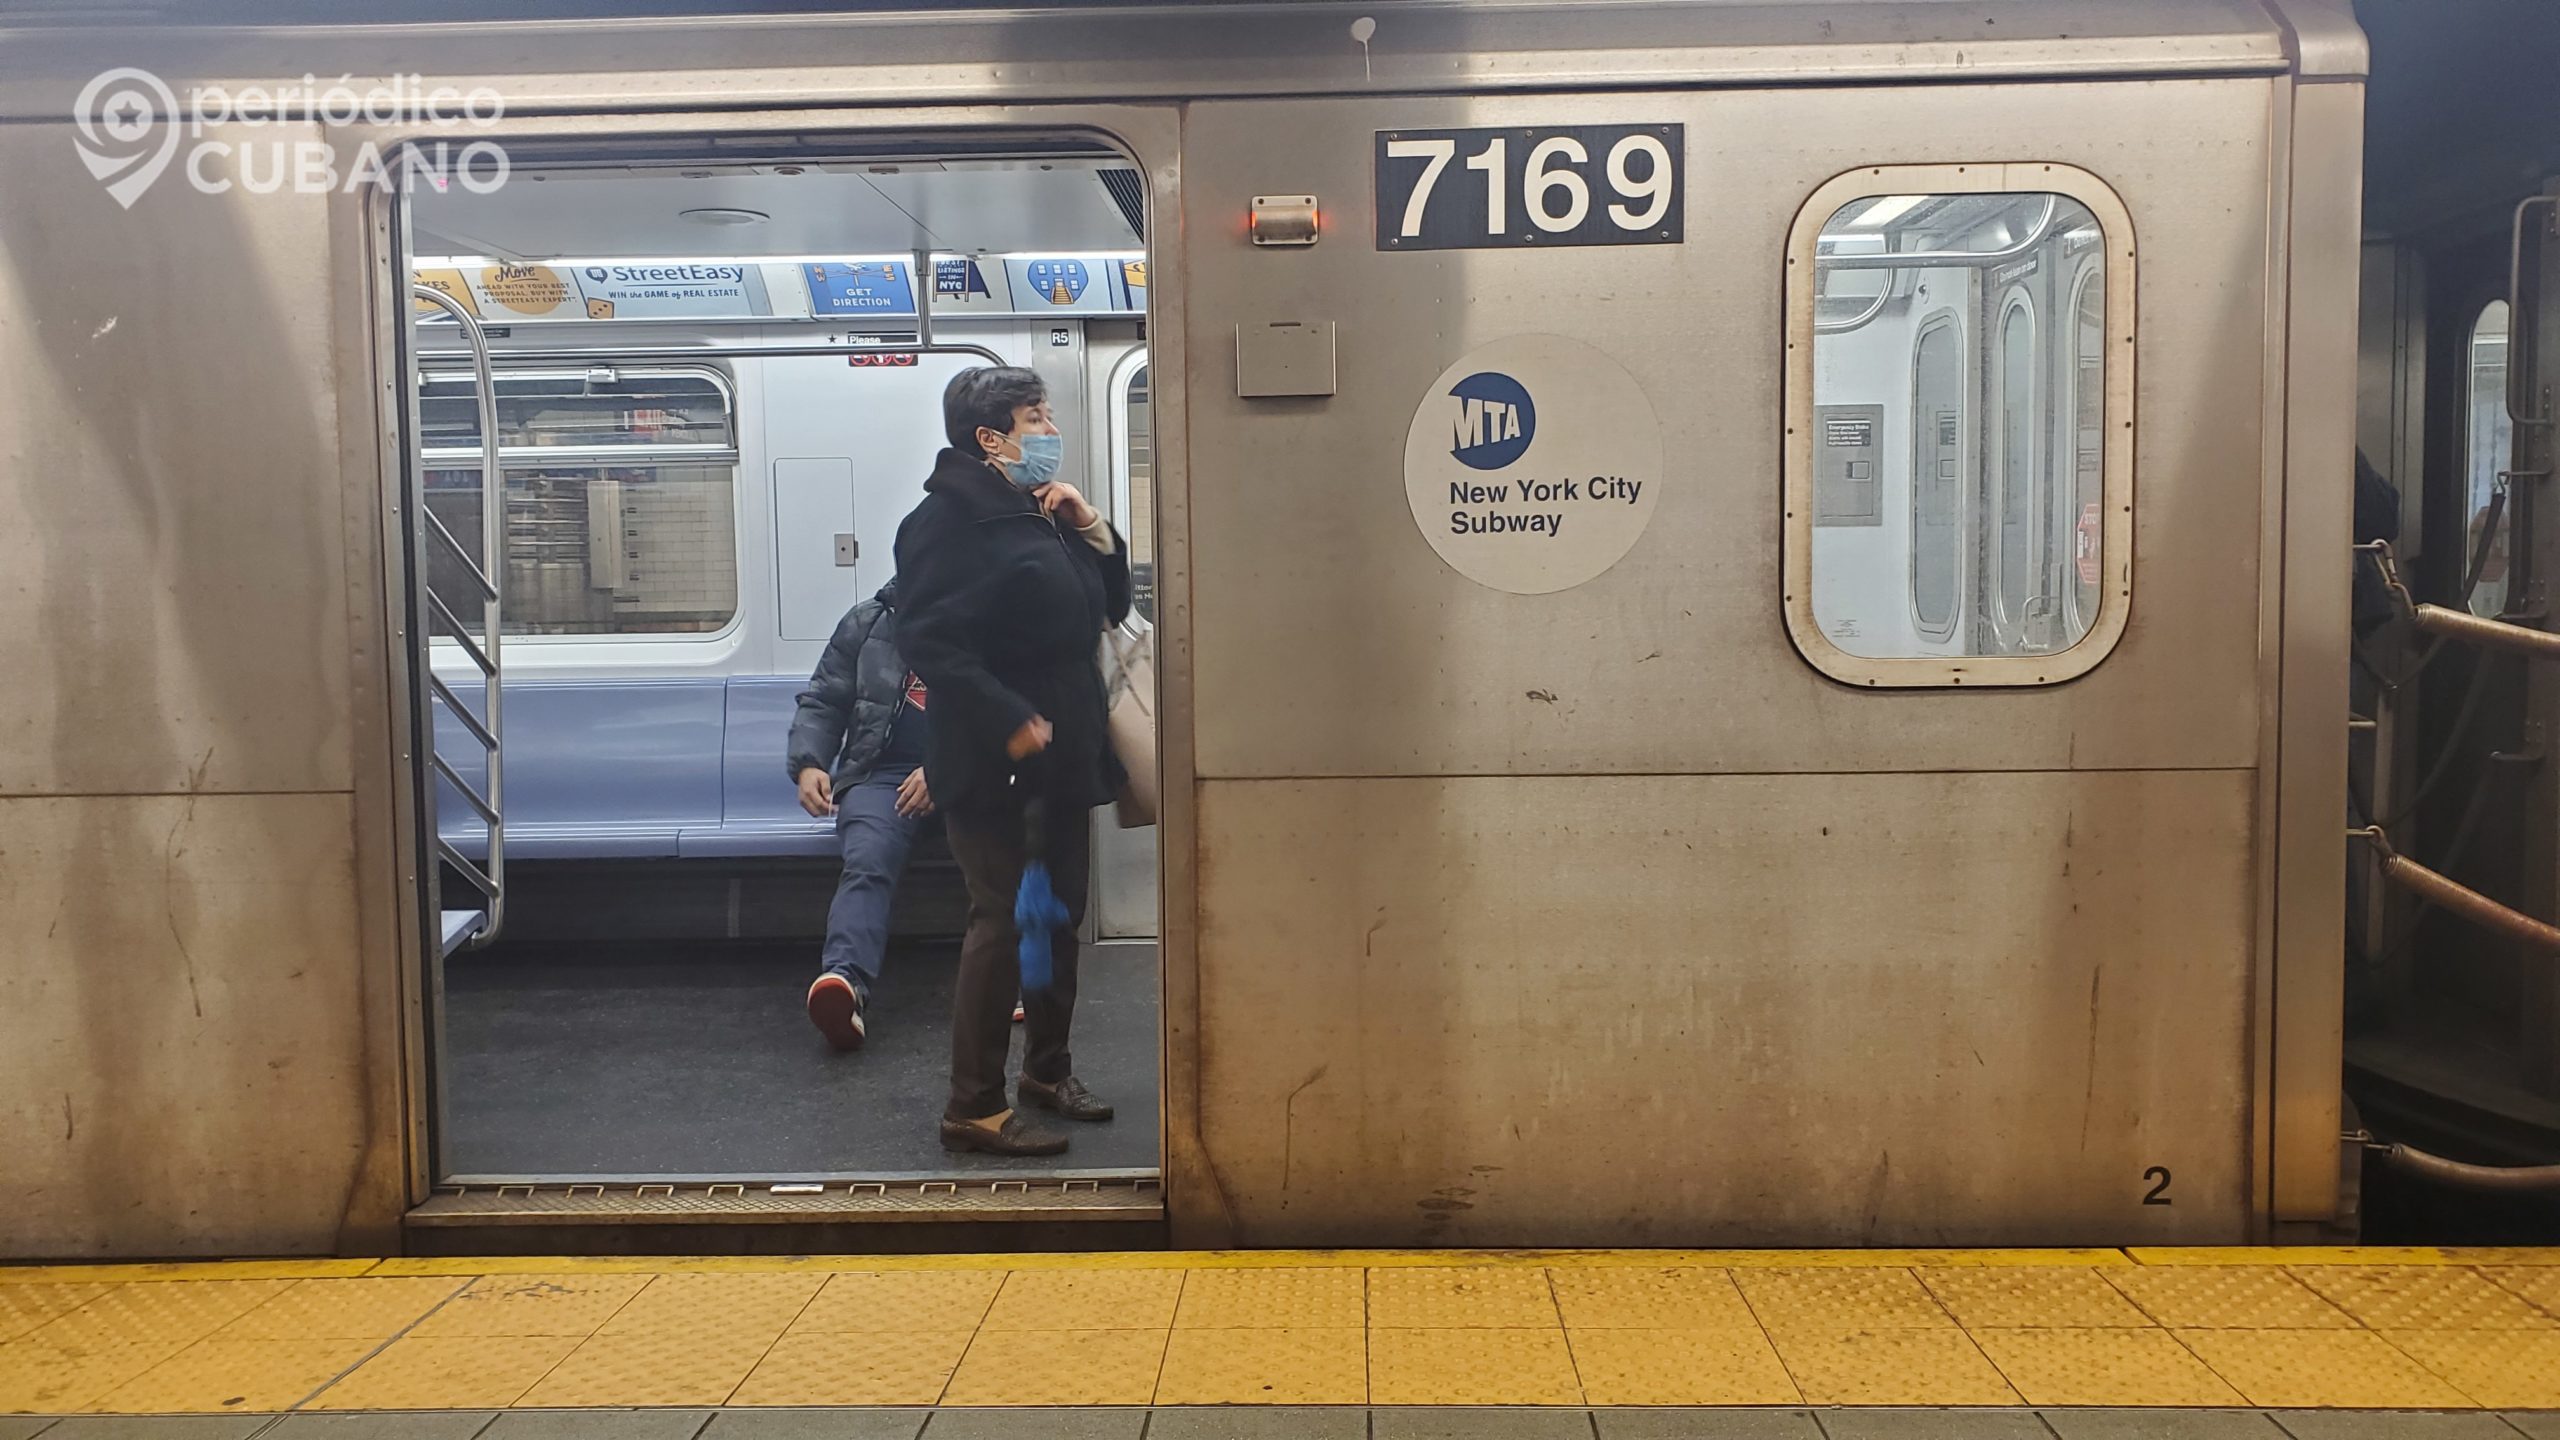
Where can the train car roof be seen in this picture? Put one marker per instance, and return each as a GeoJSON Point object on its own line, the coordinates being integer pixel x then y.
{"type": "Point", "coordinates": [586, 56]}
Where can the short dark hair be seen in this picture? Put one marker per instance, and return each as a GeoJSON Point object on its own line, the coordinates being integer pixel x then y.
{"type": "Point", "coordinates": [986, 395]}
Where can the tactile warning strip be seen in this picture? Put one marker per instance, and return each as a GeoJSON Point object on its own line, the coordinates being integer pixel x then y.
{"type": "Point", "coordinates": [2285, 1329]}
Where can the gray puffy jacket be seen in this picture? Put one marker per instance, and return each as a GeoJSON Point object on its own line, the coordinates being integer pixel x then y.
{"type": "Point", "coordinates": [842, 723]}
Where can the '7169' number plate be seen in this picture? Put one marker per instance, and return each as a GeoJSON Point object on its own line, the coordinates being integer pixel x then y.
{"type": "Point", "coordinates": [1559, 185]}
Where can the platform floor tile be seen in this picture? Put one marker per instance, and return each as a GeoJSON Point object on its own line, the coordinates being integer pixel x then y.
{"type": "Point", "coordinates": [1933, 1424]}
{"type": "Point", "coordinates": [1842, 1300]}
{"type": "Point", "coordinates": [345, 1309]}
{"type": "Point", "coordinates": [1036, 1424]}
{"type": "Point", "coordinates": [1086, 1300]}
{"type": "Point", "coordinates": [42, 1377]}
{"type": "Point", "coordinates": [217, 1376]}
{"type": "Point", "coordinates": [2395, 1297]}
{"type": "Point", "coordinates": [1706, 1425]}
{"type": "Point", "coordinates": [1463, 1424]}
{"type": "Point", "coordinates": [815, 1425]}
{"type": "Point", "coordinates": [1297, 1298]}
{"type": "Point", "coordinates": [2149, 1424]}
{"type": "Point", "coordinates": [885, 1368]}
{"type": "Point", "coordinates": [1722, 1366]}
{"type": "Point", "coordinates": [714, 1305]}
{"type": "Point", "coordinates": [2348, 1369]}
{"type": "Point", "coordinates": [2505, 1369]}
{"type": "Point", "coordinates": [1890, 1367]}
{"type": "Point", "coordinates": [614, 1424]}
{"type": "Point", "coordinates": [160, 1427]}
{"type": "Point", "coordinates": [572, 1304]}
{"type": "Point", "coordinates": [1059, 1367]}
{"type": "Point", "coordinates": [382, 1425]}
{"type": "Point", "coordinates": [1328, 1366]}
{"type": "Point", "coordinates": [652, 1366]}
{"type": "Point", "coordinates": [2349, 1425]}
{"type": "Point", "coordinates": [24, 1307]}
{"type": "Point", "coordinates": [1669, 1298]}
{"type": "Point", "coordinates": [2103, 1367]}
{"type": "Point", "coordinates": [448, 1372]}
{"type": "Point", "coordinates": [2227, 1297]}
{"type": "Point", "coordinates": [1475, 1365]}
{"type": "Point", "coordinates": [175, 1313]}
{"type": "Point", "coordinates": [2539, 1284]}
{"type": "Point", "coordinates": [1279, 1423]}
{"type": "Point", "coordinates": [871, 1300]}
{"type": "Point", "coordinates": [1461, 1298]}
{"type": "Point", "coordinates": [2012, 1297]}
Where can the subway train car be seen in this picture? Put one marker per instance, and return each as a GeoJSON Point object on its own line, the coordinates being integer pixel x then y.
{"type": "Point", "coordinates": [1749, 601]}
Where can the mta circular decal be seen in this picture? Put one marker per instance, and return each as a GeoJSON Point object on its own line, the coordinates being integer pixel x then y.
{"type": "Point", "coordinates": [1495, 420]}
{"type": "Point", "coordinates": [1533, 464]}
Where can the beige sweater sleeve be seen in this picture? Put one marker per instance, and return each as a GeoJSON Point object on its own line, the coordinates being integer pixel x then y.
{"type": "Point", "coordinates": [1098, 534]}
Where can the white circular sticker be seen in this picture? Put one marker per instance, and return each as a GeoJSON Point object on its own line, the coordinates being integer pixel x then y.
{"type": "Point", "coordinates": [1533, 463]}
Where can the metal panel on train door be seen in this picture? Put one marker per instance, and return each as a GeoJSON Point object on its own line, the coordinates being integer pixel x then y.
{"type": "Point", "coordinates": [815, 545]}
{"type": "Point", "coordinates": [1598, 916]}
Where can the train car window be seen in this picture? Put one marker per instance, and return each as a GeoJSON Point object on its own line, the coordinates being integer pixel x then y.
{"type": "Point", "coordinates": [1983, 317]}
{"type": "Point", "coordinates": [2020, 605]}
{"type": "Point", "coordinates": [2085, 372]}
{"type": "Point", "coordinates": [621, 498]}
{"type": "Point", "coordinates": [2488, 442]}
{"type": "Point", "coordinates": [1136, 493]}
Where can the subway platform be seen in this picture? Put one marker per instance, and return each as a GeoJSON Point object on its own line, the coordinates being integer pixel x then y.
{"type": "Point", "coordinates": [2218, 1344]}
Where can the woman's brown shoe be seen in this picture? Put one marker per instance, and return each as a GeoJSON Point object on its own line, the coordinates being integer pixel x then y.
{"type": "Point", "coordinates": [1067, 1099]}
{"type": "Point", "coordinates": [1010, 1137]}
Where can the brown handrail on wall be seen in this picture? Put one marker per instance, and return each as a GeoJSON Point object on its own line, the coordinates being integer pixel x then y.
{"type": "Point", "coordinates": [2461, 899]}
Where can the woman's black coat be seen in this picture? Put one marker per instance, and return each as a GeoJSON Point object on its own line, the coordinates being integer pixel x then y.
{"type": "Point", "coordinates": [1001, 612]}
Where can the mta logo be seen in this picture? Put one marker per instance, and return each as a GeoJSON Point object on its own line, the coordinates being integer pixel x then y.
{"type": "Point", "coordinates": [1492, 420]}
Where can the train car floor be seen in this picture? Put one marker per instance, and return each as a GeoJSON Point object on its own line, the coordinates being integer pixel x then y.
{"type": "Point", "coordinates": [698, 1059]}
{"type": "Point", "coordinates": [1843, 1345]}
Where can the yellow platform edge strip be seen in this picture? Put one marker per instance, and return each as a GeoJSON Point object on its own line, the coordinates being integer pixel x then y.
{"type": "Point", "coordinates": [291, 1269]}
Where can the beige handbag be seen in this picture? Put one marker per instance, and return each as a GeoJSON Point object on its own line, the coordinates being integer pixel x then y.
{"type": "Point", "coordinates": [1129, 670]}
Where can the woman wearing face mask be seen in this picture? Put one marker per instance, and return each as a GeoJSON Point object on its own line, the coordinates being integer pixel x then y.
{"type": "Point", "coordinates": [1007, 579]}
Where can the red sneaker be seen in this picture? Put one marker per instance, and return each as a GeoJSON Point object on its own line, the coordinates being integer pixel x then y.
{"type": "Point", "coordinates": [835, 1007]}
{"type": "Point", "coordinates": [1017, 1012]}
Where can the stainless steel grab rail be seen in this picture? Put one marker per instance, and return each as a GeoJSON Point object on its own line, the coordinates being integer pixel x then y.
{"type": "Point", "coordinates": [487, 728]}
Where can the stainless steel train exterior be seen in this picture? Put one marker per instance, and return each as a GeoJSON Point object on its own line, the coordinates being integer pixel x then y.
{"type": "Point", "coordinates": [1645, 909]}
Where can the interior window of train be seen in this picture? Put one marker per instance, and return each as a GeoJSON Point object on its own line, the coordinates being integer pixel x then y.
{"type": "Point", "coordinates": [1959, 448]}
{"type": "Point", "coordinates": [621, 497]}
{"type": "Point", "coordinates": [1133, 478]}
{"type": "Point", "coordinates": [2488, 441]}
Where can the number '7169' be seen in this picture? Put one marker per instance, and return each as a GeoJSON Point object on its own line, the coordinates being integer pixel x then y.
{"type": "Point", "coordinates": [1567, 185]}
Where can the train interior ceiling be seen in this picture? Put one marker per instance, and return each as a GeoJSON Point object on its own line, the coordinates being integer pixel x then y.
{"type": "Point", "coordinates": [716, 398]}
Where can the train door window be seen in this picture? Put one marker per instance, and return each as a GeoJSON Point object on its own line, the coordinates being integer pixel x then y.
{"type": "Point", "coordinates": [621, 497]}
{"type": "Point", "coordinates": [1133, 478]}
{"type": "Point", "coordinates": [2488, 441]}
{"type": "Point", "coordinates": [1937, 478]}
{"type": "Point", "coordinates": [2018, 601]}
{"type": "Point", "coordinates": [2018, 563]}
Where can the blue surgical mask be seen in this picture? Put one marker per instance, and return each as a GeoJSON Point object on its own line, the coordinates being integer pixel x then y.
{"type": "Point", "coordinates": [1042, 454]}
